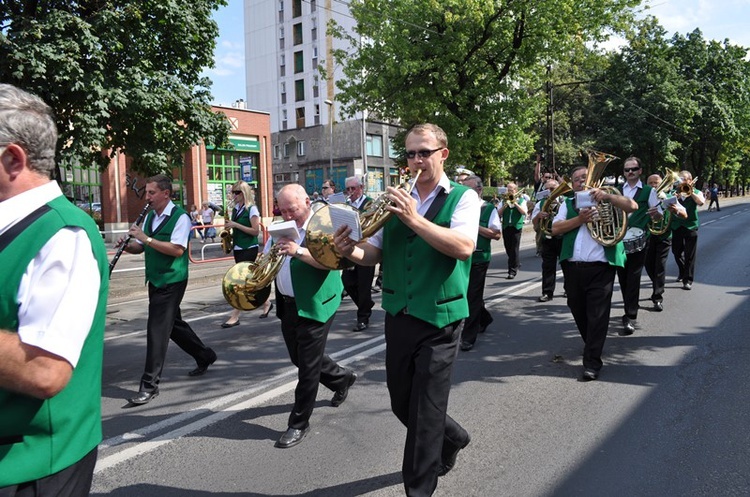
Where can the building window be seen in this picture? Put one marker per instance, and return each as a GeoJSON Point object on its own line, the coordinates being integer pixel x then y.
{"type": "Point", "coordinates": [392, 152]}
{"type": "Point", "coordinates": [286, 150]}
{"type": "Point", "coordinates": [299, 90]}
{"type": "Point", "coordinates": [299, 62]}
{"type": "Point", "coordinates": [281, 5]}
{"type": "Point", "coordinates": [374, 145]}
{"type": "Point", "coordinates": [300, 113]}
{"type": "Point", "coordinates": [283, 92]}
{"type": "Point", "coordinates": [297, 34]}
{"type": "Point", "coordinates": [296, 8]}
{"type": "Point", "coordinates": [282, 65]}
{"type": "Point", "coordinates": [283, 119]}
{"type": "Point", "coordinates": [300, 149]}
{"type": "Point", "coordinates": [313, 6]}
{"type": "Point", "coordinates": [314, 33]}
{"type": "Point", "coordinates": [317, 114]}
{"type": "Point", "coordinates": [276, 151]}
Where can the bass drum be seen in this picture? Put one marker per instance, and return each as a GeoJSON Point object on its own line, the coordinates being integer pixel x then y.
{"type": "Point", "coordinates": [319, 237]}
{"type": "Point", "coordinates": [634, 241]}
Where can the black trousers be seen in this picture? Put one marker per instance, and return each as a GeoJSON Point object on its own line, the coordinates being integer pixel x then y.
{"type": "Point", "coordinates": [657, 251]}
{"type": "Point", "coordinates": [418, 363]}
{"type": "Point", "coordinates": [630, 282]}
{"type": "Point", "coordinates": [73, 481]}
{"type": "Point", "coordinates": [305, 341]}
{"type": "Point", "coordinates": [165, 323]}
{"type": "Point", "coordinates": [589, 287]}
{"type": "Point", "coordinates": [711, 203]}
{"type": "Point", "coordinates": [550, 248]}
{"type": "Point", "coordinates": [512, 243]}
{"type": "Point", "coordinates": [358, 284]}
{"type": "Point", "coordinates": [479, 318]}
{"type": "Point", "coordinates": [685, 250]}
{"type": "Point", "coordinates": [246, 255]}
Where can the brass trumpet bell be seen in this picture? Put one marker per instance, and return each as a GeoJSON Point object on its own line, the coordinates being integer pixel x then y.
{"type": "Point", "coordinates": [238, 289]}
{"type": "Point", "coordinates": [319, 238]}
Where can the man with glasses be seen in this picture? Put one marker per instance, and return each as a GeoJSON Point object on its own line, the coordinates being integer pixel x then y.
{"type": "Point", "coordinates": [426, 251]}
{"type": "Point", "coordinates": [328, 189]}
{"type": "Point", "coordinates": [588, 269]}
{"type": "Point", "coordinates": [629, 276]}
{"type": "Point", "coordinates": [358, 279]}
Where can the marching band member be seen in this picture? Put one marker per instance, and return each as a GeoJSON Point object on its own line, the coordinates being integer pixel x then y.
{"type": "Point", "coordinates": [629, 276]}
{"type": "Point", "coordinates": [490, 229]}
{"type": "Point", "coordinates": [549, 246]}
{"type": "Point", "coordinates": [685, 232]}
{"type": "Point", "coordinates": [426, 249]}
{"type": "Point", "coordinates": [358, 279]}
{"type": "Point", "coordinates": [657, 250]}
{"type": "Point", "coordinates": [513, 214]}
{"type": "Point", "coordinates": [589, 270]}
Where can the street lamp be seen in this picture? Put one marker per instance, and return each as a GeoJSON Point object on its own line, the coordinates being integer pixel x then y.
{"type": "Point", "coordinates": [329, 103]}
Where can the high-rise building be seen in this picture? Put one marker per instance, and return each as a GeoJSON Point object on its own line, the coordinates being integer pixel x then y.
{"type": "Point", "coordinates": [286, 44]}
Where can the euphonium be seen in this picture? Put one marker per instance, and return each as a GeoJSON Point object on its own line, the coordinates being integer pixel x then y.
{"type": "Point", "coordinates": [667, 184]}
{"type": "Point", "coordinates": [227, 241]}
{"type": "Point", "coordinates": [247, 285]}
{"type": "Point", "coordinates": [552, 205]}
{"type": "Point", "coordinates": [612, 222]}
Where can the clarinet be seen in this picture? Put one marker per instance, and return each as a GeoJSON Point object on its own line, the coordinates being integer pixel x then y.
{"type": "Point", "coordinates": [125, 242]}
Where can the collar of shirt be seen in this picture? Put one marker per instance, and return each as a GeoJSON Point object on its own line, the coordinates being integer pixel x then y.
{"type": "Point", "coordinates": [422, 207]}
{"type": "Point", "coordinates": [629, 191]}
{"type": "Point", "coordinates": [18, 207]}
{"type": "Point", "coordinates": [158, 218]}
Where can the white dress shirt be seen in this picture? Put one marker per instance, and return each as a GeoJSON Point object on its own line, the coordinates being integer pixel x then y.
{"type": "Point", "coordinates": [585, 248]}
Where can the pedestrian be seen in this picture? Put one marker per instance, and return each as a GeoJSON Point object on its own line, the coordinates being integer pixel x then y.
{"type": "Point", "coordinates": [426, 249]}
{"type": "Point", "coordinates": [52, 314]}
{"type": "Point", "coordinates": [163, 239]}
{"type": "Point", "coordinates": [713, 194]}
{"type": "Point", "coordinates": [307, 297]}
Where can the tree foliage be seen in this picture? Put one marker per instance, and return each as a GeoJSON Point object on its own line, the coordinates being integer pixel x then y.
{"type": "Point", "coordinates": [119, 74]}
{"type": "Point", "coordinates": [474, 67]}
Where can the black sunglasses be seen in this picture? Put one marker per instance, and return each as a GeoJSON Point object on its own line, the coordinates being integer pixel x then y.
{"type": "Point", "coordinates": [421, 153]}
{"type": "Point", "coordinates": [631, 169]}
{"type": "Point", "coordinates": [236, 192]}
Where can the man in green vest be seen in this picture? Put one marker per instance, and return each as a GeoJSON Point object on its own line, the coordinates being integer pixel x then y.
{"type": "Point", "coordinates": [490, 229]}
{"type": "Point", "coordinates": [629, 276]}
{"type": "Point", "coordinates": [307, 297]}
{"type": "Point", "coordinates": [549, 246]}
{"type": "Point", "coordinates": [588, 269]}
{"type": "Point", "coordinates": [426, 251]}
{"type": "Point", "coordinates": [513, 211]}
{"type": "Point", "coordinates": [685, 231]}
{"type": "Point", "coordinates": [358, 279]}
{"type": "Point", "coordinates": [52, 312]}
{"type": "Point", "coordinates": [657, 249]}
{"type": "Point", "coordinates": [164, 239]}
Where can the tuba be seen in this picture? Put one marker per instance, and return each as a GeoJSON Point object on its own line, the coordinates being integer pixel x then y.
{"type": "Point", "coordinates": [319, 235]}
{"type": "Point", "coordinates": [552, 205]}
{"type": "Point", "coordinates": [247, 285]}
{"type": "Point", "coordinates": [612, 223]}
{"type": "Point", "coordinates": [662, 190]}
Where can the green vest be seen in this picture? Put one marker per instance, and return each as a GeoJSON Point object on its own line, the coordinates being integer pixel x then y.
{"type": "Point", "coordinates": [512, 217]}
{"type": "Point", "coordinates": [483, 251]}
{"type": "Point", "coordinates": [692, 222]}
{"type": "Point", "coordinates": [615, 254]}
{"type": "Point", "coordinates": [365, 204]}
{"type": "Point", "coordinates": [162, 269]}
{"type": "Point", "coordinates": [316, 291]}
{"type": "Point", "coordinates": [242, 239]}
{"type": "Point", "coordinates": [427, 284]}
{"type": "Point", "coordinates": [56, 432]}
{"type": "Point", "coordinates": [640, 218]}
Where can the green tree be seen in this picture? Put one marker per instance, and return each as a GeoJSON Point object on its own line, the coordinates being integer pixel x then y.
{"type": "Point", "coordinates": [471, 66]}
{"type": "Point", "coordinates": [119, 75]}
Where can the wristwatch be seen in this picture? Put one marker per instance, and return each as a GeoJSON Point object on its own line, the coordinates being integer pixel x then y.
{"type": "Point", "coordinates": [298, 252]}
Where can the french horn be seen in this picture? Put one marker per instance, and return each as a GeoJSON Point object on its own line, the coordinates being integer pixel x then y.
{"type": "Point", "coordinates": [247, 285]}
{"type": "Point", "coordinates": [319, 234]}
{"type": "Point", "coordinates": [667, 185]}
{"type": "Point", "coordinates": [612, 222]}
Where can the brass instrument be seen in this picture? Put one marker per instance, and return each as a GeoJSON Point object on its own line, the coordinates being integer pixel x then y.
{"type": "Point", "coordinates": [552, 205]}
{"type": "Point", "coordinates": [227, 241]}
{"type": "Point", "coordinates": [510, 199]}
{"type": "Point", "coordinates": [319, 235]}
{"type": "Point", "coordinates": [667, 185]}
{"type": "Point", "coordinates": [685, 188]}
{"type": "Point", "coordinates": [612, 222]}
{"type": "Point", "coordinates": [247, 285]}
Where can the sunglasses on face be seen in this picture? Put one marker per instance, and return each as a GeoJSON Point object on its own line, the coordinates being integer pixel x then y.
{"type": "Point", "coordinates": [410, 154]}
{"type": "Point", "coordinates": [237, 192]}
{"type": "Point", "coordinates": [631, 169]}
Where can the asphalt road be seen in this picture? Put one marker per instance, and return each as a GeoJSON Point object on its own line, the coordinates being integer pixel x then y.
{"type": "Point", "coordinates": [668, 416]}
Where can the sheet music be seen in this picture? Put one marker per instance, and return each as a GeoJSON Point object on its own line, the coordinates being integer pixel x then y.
{"type": "Point", "coordinates": [336, 198]}
{"type": "Point", "coordinates": [346, 216]}
{"type": "Point", "coordinates": [285, 229]}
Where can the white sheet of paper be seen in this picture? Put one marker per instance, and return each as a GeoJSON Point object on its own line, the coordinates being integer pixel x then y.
{"type": "Point", "coordinates": [284, 229]}
{"type": "Point", "coordinates": [346, 216]}
{"type": "Point", "coordinates": [336, 198]}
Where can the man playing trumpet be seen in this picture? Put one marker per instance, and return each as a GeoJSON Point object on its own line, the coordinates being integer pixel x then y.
{"type": "Point", "coordinates": [512, 212]}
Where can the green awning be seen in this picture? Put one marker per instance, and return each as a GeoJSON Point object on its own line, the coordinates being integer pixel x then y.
{"type": "Point", "coordinates": [241, 144]}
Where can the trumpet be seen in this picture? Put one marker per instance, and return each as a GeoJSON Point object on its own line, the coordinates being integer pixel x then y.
{"type": "Point", "coordinates": [510, 199]}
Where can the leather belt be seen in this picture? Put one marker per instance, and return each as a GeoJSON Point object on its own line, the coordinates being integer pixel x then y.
{"type": "Point", "coordinates": [586, 264]}
{"type": "Point", "coordinates": [288, 300]}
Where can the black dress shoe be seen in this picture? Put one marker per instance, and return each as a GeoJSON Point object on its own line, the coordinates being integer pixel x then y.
{"type": "Point", "coordinates": [229, 325]}
{"type": "Point", "coordinates": [628, 328]}
{"type": "Point", "coordinates": [658, 306]}
{"type": "Point", "coordinates": [340, 396]}
{"type": "Point", "coordinates": [265, 314]}
{"type": "Point", "coordinates": [450, 460]}
{"type": "Point", "coordinates": [510, 276]}
{"type": "Point", "coordinates": [589, 375]}
{"type": "Point", "coordinates": [144, 397]}
{"type": "Point", "coordinates": [361, 326]}
{"type": "Point", "coordinates": [687, 285]}
{"type": "Point", "coordinates": [545, 298]}
{"type": "Point", "coordinates": [466, 345]}
{"type": "Point", "coordinates": [291, 437]}
{"type": "Point", "coordinates": [203, 367]}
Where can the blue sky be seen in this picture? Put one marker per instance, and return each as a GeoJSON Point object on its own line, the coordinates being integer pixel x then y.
{"type": "Point", "coordinates": [717, 19]}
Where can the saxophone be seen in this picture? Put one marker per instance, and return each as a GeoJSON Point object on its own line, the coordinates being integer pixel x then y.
{"type": "Point", "coordinates": [227, 241]}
